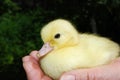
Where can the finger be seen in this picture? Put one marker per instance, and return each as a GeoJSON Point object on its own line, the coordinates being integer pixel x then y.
{"type": "Point", "coordinates": [30, 59]}
{"type": "Point", "coordinates": [46, 78]}
{"type": "Point", "coordinates": [34, 55]}
{"type": "Point", "coordinates": [75, 75]}
{"type": "Point", "coordinates": [32, 68]}
{"type": "Point", "coordinates": [116, 61]}
{"type": "Point", "coordinates": [81, 74]}
{"type": "Point", "coordinates": [106, 72]}
{"type": "Point", "coordinates": [99, 73]}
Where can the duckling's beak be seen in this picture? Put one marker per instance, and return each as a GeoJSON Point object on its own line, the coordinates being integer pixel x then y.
{"type": "Point", "coordinates": [46, 48]}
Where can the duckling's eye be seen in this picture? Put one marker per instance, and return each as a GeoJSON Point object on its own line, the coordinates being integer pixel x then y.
{"type": "Point", "coordinates": [57, 36]}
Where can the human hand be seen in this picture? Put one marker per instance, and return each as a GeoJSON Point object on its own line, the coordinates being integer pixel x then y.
{"type": "Point", "coordinates": [106, 72]}
{"type": "Point", "coordinates": [32, 68]}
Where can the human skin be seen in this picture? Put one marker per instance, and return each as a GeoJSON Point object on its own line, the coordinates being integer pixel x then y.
{"type": "Point", "coordinates": [110, 71]}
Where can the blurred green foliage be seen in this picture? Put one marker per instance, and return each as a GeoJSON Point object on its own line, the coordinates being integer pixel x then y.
{"type": "Point", "coordinates": [16, 33]}
{"type": "Point", "coordinates": [22, 20]}
{"type": "Point", "coordinates": [112, 3]}
{"type": "Point", "coordinates": [19, 35]}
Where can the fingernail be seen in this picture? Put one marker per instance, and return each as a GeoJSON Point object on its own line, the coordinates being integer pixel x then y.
{"type": "Point", "coordinates": [68, 77]}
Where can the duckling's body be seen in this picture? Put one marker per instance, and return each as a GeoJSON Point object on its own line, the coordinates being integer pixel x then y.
{"type": "Point", "coordinates": [85, 51]}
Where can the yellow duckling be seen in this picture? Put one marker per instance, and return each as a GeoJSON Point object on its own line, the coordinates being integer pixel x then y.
{"type": "Point", "coordinates": [65, 49]}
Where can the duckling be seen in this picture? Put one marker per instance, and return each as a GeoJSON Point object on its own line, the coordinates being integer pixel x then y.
{"type": "Point", "coordinates": [66, 49]}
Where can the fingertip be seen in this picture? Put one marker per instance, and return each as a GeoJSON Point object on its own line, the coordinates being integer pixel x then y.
{"type": "Point", "coordinates": [25, 58]}
{"type": "Point", "coordinates": [34, 51]}
{"type": "Point", "coordinates": [68, 77]}
{"type": "Point", "coordinates": [46, 78]}
{"type": "Point", "coordinates": [34, 54]}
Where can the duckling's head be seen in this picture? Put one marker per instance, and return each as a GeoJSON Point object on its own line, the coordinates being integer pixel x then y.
{"type": "Point", "coordinates": [59, 33]}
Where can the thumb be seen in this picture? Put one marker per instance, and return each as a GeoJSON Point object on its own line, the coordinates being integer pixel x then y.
{"type": "Point", "coordinates": [107, 72]}
{"type": "Point", "coordinates": [79, 74]}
